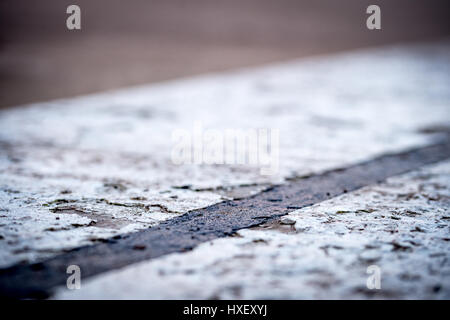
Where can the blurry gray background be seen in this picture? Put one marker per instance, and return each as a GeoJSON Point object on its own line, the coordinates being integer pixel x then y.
{"type": "Point", "coordinates": [126, 43]}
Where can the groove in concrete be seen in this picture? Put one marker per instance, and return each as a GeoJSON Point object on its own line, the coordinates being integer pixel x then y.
{"type": "Point", "coordinates": [185, 232]}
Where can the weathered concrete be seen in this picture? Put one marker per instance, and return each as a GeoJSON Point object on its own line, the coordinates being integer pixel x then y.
{"type": "Point", "coordinates": [74, 172]}
{"type": "Point", "coordinates": [184, 233]}
{"type": "Point", "coordinates": [402, 226]}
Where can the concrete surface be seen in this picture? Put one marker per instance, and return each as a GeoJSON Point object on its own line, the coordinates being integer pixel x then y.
{"type": "Point", "coordinates": [100, 165]}
{"type": "Point", "coordinates": [319, 252]}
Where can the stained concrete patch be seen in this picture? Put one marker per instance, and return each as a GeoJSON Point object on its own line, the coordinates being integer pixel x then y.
{"type": "Point", "coordinates": [402, 226]}
{"type": "Point", "coordinates": [79, 170]}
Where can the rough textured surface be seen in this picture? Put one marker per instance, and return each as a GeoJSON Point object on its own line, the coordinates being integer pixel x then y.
{"type": "Point", "coordinates": [74, 172]}
{"type": "Point", "coordinates": [402, 226]}
{"type": "Point", "coordinates": [183, 233]}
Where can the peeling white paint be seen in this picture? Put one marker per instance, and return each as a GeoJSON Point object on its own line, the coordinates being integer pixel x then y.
{"type": "Point", "coordinates": [98, 151]}
{"type": "Point", "coordinates": [402, 226]}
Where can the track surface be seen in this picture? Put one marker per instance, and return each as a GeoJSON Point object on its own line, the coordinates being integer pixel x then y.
{"type": "Point", "coordinates": [185, 232]}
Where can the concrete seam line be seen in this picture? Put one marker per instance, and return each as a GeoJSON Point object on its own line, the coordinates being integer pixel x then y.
{"type": "Point", "coordinates": [219, 220]}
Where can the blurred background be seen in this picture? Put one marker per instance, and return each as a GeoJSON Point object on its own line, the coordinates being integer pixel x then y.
{"type": "Point", "coordinates": [125, 43]}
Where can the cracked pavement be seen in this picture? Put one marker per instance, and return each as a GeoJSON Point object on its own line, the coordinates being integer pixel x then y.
{"type": "Point", "coordinates": [77, 171]}
{"type": "Point", "coordinates": [319, 252]}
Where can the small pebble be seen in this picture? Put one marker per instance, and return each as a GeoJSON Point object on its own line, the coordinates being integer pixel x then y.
{"type": "Point", "coordinates": [287, 221]}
